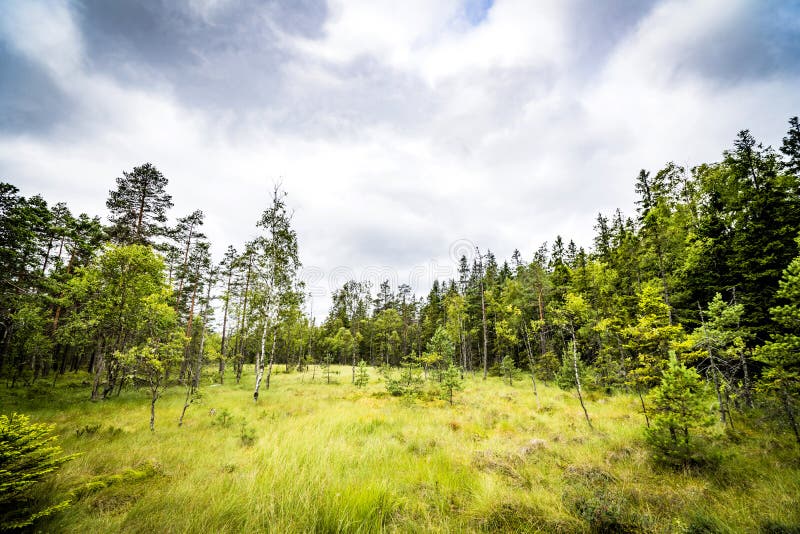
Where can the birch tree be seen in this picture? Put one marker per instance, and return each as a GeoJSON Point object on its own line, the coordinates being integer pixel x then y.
{"type": "Point", "coordinates": [227, 268]}
{"type": "Point", "coordinates": [276, 264]}
{"type": "Point", "coordinates": [196, 362]}
{"type": "Point", "coordinates": [571, 317]}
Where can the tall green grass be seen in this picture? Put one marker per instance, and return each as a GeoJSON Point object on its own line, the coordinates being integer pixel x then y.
{"type": "Point", "coordinates": [335, 458]}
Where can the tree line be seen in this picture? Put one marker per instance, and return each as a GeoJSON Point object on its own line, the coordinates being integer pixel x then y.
{"type": "Point", "coordinates": [703, 278]}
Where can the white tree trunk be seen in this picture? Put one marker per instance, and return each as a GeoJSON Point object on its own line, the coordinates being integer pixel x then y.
{"type": "Point", "coordinates": [578, 378]}
{"type": "Point", "coordinates": [260, 361]}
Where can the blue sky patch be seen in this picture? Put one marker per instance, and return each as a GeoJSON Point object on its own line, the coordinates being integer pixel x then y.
{"type": "Point", "coordinates": [476, 10]}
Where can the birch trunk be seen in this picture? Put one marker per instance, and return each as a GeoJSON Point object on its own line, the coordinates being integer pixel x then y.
{"type": "Point", "coordinates": [260, 362]}
{"type": "Point", "coordinates": [577, 376]}
{"type": "Point", "coordinates": [99, 368]}
{"type": "Point", "coordinates": [224, 330]}
{"type": "Point", "coordinates": [714, 370]}
{"type": "Point", "coordinates": [244, 320]}
{"type": "Point", "coordinates": [485, 336]}
{"type": "Point", "coordinates": [153, 399]}
{"type": "Point", "coordinates": [531, 363]}
{"type": "Point", "coordinates": [272, 356]}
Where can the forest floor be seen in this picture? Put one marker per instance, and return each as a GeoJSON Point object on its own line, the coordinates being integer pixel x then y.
{"type": "Point", "coordinates": [318, 457]}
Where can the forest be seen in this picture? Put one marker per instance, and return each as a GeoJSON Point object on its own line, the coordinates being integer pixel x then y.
{"type": "Point", "coordinates": [648, 381]}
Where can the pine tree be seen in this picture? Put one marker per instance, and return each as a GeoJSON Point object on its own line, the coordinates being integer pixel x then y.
{"type": "Point", "coordinates": [325, 366]}
{"type": "Point", "coordinates": [139, 206]}
{"type": "Point", "coordinates": [719, 345]}
{"type": "Point", "coordinates": [451, 381]}
{"type": "Point", "coordinates": [678, 407]}
{"type": "Point", "coordinates": [362, 375]}
{"type": "Point", "coordinates": [508, 369]}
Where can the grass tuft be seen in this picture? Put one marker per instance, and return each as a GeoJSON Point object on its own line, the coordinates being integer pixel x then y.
{"type": "Point", "coordinates": [318, 457]}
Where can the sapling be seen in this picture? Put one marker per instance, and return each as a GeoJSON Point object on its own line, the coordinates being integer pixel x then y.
{"type": "Point", "coordinates": [451, 381]}
{"type": "Point", "coordinates": [508, 369]}
{"type": "Point", "coordinates": [678, 407]}
{"type": "Point", "coordinates": [28, 455]}
{"type": "Point", "coordinates": [362, 375]}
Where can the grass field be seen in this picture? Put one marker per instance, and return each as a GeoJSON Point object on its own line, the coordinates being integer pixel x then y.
{"type": "Point", "coordinates": [317, 457]}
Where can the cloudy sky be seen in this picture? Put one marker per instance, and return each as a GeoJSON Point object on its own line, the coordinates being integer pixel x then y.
{"type": "Point", "coordinates": [402, 131]}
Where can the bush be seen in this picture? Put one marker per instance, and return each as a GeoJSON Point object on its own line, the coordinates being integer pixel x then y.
{"type": "Point", "coordinates": [224, 418]}
{"type": "Point", "coordinates": [591, 494]}
{"type": "Point", "coordinates": [408, 384]}
{"type": "Point", "coordinates": [28, 455]}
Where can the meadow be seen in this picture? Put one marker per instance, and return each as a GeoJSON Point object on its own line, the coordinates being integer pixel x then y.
{"type": "Point", "coordinates": [317, 457]}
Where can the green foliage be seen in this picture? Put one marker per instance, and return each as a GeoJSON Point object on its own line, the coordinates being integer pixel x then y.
{"type": "Point", "coordinates": [223, 418]}
{"type": "Point", "coordinates": [407, 383]}
{"type": "Point", "coordinates": [439, 353]}
{"type": "Point", "coordinates": [138, 206]}
{"type": "Point", "coordinates": [451, 381]}
{"type": "Point", "coordinates": [387, 324]}
{"type": "Point", "coordinates": [679, 406]}
{"type": "Point", "coordinates": [149, 469]}
{"type": "Point", "coordinates": [28, 455]}
{"type": "Point", "coordinates": [508, 369]}
{"type": "Point", "coordinates": [651, 338]}
{"type": "Point", "coordinates": [343, 343]}
{"type": "Point", "coordinates": [31, 338]}
{"type": "Point", "coordinates": [325, 366]}
{"type": "Point", "coordinates": [547, 366]}
{"type": "Point", "coordinates": [591, 494]}
{"type": "Point", "coordinates": [362, 375]}
{"type": "Point", "coordinates": [565, 377]}
{"type": "Point", "coordinates": [247, 435]}
{"type": "Point", "coordinates": [781, 355]}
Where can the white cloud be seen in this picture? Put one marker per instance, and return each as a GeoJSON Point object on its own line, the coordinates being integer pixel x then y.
{"type": "Point", "coordinates": [401, 129]}
{"type": "Point", "coordinates": [435, 40]}
{"type": "Point", "coordinates": [45, 32]}
{"type": "Point", "coordinates": [672, 34]}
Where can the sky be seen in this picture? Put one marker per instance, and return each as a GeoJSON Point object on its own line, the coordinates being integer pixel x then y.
{"type": "Point", "coordinates": [405, 133]}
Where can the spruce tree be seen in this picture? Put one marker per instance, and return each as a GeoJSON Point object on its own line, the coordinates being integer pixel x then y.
{"type": "Point", "coordinates": [791, 148]}
{"type": "Point", "coordinates": [782, 354]}
{"type": "Point", "coordinates": [28, 455]}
